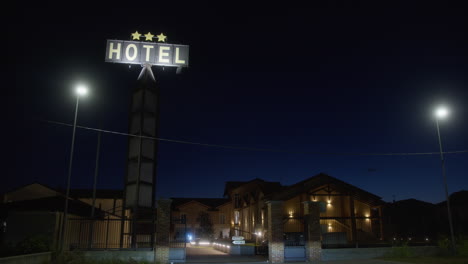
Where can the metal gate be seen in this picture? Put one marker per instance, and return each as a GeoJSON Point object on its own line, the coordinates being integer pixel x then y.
{"type": "Point", "coordinates": [178, 240]}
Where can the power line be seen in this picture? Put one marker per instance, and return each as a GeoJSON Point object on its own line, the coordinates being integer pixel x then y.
{"type": "Point", "coordinates": [259, 149]}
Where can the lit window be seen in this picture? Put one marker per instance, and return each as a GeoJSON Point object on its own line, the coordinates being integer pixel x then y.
{"type": "Point", "coordinates": [236, 217]}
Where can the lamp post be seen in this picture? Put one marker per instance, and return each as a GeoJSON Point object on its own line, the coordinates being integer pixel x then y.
{"type": "Point", "coordinates": [81, 90]}
{"type": "Point", "coordinates": [441, 113]}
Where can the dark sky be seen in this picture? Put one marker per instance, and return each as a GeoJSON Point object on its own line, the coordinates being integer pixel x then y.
{"type": "Point", "coordinates": [335, 78]}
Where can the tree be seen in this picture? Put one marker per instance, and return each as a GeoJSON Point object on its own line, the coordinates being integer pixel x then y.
{"type": "Point", "coordinates": [206, 226]}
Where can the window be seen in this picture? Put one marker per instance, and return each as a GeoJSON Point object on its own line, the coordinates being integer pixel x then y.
{"type": "Point", "coordinates": [236, 201]}
{"type": "Point", "coordinates": [183, 217]}
{"type": "Point", "coordinates": [236, 217]}
{"type": "Point", "coordinates": [263, 217]}
{"type": "Point", "coordinates": [222, 219]}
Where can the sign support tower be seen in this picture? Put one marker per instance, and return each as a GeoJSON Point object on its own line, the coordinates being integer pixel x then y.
{"type": "Point", "coordinates": [140, 177]}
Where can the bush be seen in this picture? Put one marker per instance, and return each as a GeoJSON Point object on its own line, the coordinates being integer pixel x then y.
{"type": "Point", "coordinates": [69, 257]}
{"type": "Point", "coordinates": [462, 247]}
{"type": "Point", "coordinates": [34, 244]}
{"type": "Point", "coordinates": [77, 257]}
{"type": "Point", "coordinates": [402, 251]}
{"type": "Point", "coordinates": [7, 250]}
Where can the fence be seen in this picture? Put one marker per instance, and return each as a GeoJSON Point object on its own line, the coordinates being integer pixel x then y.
{"type": "Point", "coordinates": [106, 234]}
{"type": "Point", "coordinates": [178, 237]}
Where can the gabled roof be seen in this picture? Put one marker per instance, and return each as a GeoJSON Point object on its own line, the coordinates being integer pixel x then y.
{"type": "Point", "coordinates": [266, 187]}
{"type": "Point", "coordinates": [30, 184]}
{"type": "Point", "coordinates": [100, 193]}
{"type": "Point", "coordinates": [412, 203]}
{"type": "Point", "coordinates": [459, 198]}
{"type": "Point", "coordinates": [51, 204]}
{"type": "Point", "coordinates": [321, 180]}
{"type": "Point", "coordinates": [29, 191]}
{"type": "Point", "coordinates": [211, 203]}
{"type": "Point", "coordinates": [75, 193]}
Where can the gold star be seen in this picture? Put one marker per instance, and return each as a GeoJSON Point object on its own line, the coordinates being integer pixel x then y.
{"type": "Point", "coordinates": [136, 35]}
{"type": "Point", "coordinates": [161, 37]}
{"type": "Point", "coordinates": [149, 36]}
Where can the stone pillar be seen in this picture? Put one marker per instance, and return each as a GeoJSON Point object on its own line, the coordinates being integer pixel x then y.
{"type": "Point", "coordinates": [163, 224]}
{"type": "Point", "coordinates": [313, 245]}
{"type": "Point", "coordinates": [381, 224]}
{"type": "Point", "coordinates": [354, 237]}
{"type": "Point", "coordinates": [275, 232]}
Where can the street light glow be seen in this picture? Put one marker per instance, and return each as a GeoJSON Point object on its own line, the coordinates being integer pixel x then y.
{"type": "Point", "coordinates": [441, 112]}
{"type": "Point", "coordinates": [81, 90]}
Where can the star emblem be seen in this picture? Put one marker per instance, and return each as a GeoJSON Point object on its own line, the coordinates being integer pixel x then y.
{"type": "Point", "coordinates": [161, 37]}
{"type": "Point", "coordinates": [136, 35]}
{"type": "Point", "coordinates": [149, 36]}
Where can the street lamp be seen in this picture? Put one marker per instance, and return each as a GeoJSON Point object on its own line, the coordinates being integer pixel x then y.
{"type": "Point", "coordinates": [441, 113]}
{"type": "Point", "coordinates": [81, 90]}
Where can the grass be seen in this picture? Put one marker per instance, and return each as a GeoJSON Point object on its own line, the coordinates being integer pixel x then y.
{"type": "Point", "coordinates": [430, 260]}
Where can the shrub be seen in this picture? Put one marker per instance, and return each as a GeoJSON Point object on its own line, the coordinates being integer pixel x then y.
{"type": "Point", "coordinates": [402, 251]}
{"type": "Point", "coordinates": [34, 244]}
{"type": "Point", "coordinates": [462, 247]}
{"type": "Point", "coordinates": [77, 257]}
{"type": "Point", "coordinates": [7, 250]}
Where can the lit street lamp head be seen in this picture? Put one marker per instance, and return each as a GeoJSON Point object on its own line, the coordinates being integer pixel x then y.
{"type": "Point", "coordinates": [441, 112]}
{"type": "Point", "coordinates": [81, 90]}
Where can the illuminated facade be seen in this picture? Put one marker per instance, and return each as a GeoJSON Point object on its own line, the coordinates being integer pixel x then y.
{"type": "Point", "coordinates": [348, 214]}
{"type": "Point", "coordinates": [219, 211]}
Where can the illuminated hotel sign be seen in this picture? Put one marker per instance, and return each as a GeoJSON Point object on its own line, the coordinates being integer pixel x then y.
{"type": "Point", "coordinates": [143, 52]}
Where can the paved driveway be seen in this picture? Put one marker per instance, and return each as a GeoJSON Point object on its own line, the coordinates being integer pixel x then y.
{"type": "Point", "coordinates": [360, 261]}
{"type": "Point", "coordinates": [205, 254]}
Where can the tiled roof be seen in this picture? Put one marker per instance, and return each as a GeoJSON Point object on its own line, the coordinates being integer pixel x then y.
{"type": "Point", "coordinates": [209, 202]}
{"type": "Point", "coordinates": [100, 193]}
{"type": "Point", "coordinates": [323, 180]}
{"type": "Point", "coordinates": [265, 186]}
{"type": "Point", "coordinates": [51, 204]}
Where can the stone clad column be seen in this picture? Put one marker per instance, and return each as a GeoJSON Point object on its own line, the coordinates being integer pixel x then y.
{"type": "Point", "coordinates": [313, 244]}
{"type": "Point", "coordinates": [163, 225]}
{"type": "Point", "coordinates": [354, 237]}
{"type": "Point", "coordinates": [275, 232]}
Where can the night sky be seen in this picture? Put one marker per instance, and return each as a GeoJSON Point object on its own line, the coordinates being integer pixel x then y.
{"type": "Point", "coordinates": [284, 85]}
